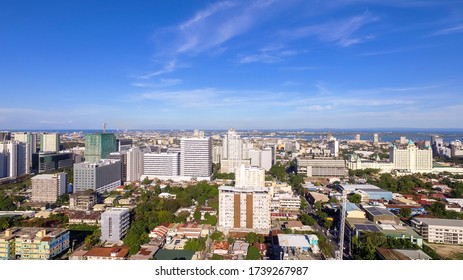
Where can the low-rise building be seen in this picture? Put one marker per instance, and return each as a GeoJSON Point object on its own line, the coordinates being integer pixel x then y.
{"type": "Point", "coordinates": [107, 253]}
{"type": "Point", "coordinates": [83, 201]}
{"type": "Point", "coordinates": [445, 231]}
{"type": "Point", "coordinates": [28, 243]}
{"type": "Point", "coordinates": [87, 217]}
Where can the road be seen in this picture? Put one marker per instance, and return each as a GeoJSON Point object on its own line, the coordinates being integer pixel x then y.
{"type": "Point", "coordinates": [320, 228]}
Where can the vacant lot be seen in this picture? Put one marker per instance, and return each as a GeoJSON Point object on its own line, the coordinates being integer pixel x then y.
{"type": "Point", "coordinates": [454, 252]}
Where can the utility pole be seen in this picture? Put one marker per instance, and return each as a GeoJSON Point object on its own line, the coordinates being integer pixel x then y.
{"type": "Point", "coordinates": [340, 252]}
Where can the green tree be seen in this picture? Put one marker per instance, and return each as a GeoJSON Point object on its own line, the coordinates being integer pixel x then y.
{"type": "Point", "coordinates": [195, 244]}
{"type": "Point", "coordinates": [355, 198]}
{"type": "Point", "coordinates": [405, 212]}
{"type": "Point", "coordinates": [6, 203]}
{"type": "Point", "coordinates": [253, 254]}
{"type": "Point", "coordinates": [197, 215]}
{"type": "Point", "coordinates": [307, 220]}
{"type": "Point", "coordinates": [328, 223]}
{"type": "Point", "coordinates": [251, 238]}
{"type": "Point", "coordinates": [217, 236]}
{"type": "Point", "coordinates": [216, 257]}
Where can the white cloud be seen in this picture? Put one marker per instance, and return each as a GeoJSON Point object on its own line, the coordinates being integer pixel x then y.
{"type": "Point", "coordinates": [342, 33]}
{"type": "Point", "coordinates": [168, 67]}
{"type": "Point", "coordinates": [451, 30]}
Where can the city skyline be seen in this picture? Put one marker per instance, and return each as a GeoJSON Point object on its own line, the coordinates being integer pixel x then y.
{"type": "Point", "coordinates": [220, 64]}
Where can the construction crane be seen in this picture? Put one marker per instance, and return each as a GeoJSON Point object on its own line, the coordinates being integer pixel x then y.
{"type": "Point", "coordinates": [339, 254]}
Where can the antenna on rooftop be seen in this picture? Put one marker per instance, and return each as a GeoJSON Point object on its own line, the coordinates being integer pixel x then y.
{"type": "Point", "coordinates": [104, 127]}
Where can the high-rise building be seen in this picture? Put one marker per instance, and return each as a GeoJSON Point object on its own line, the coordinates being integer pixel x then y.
{"type": "Point", "coordinates": [196, 157]}
{"type": "Point", "coordinates": [115, 223]}
{"type": "Point", "coordinates": [333, 146]}
{"type": "Point", "coordinates": [43, 162]}
{"type": "Point", "coordinates": [261, 158]}
{"type": "Point", "coordinates": [102, 176]}
{"type": "Point", "coordinates": [99, 145]}
{"type": "Point", "coordinates": [357, 137]}
{"type": "Point", "coordinates": [31, 142]}
{"type": "Point", "coordinates": [375, 139]}
{"type": "Point", "coordinates": [161, 165]}
{"type": "Point", "coordinates": [122, 157]}
{"type": "Point", "coordinates": [412, 159]}
{"type": "Point", "coordinates": [232, 152]}
{"type": "Point", "coordinates": [134, 164]}
{"type": "Point", "coordinates": [245, 208]}
{"type": "Point", "coordinates": [13, 159]}
{"type": "Point", "coordinates": [249, 177]}
{"type": "Point", "coordinates": [49, 142]}
{"type": "Point", "coordinates": [48, 187]}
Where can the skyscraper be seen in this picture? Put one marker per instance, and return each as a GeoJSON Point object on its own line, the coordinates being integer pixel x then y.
{"type": "Point", "coordinates": [196, 157]}
{"type": "Point", "coordinates": [99, 145]}
{"type": "Point", "coordinates": [134, 164]}
{"type": "Point", "coordinates": [49, 142]}
{"type": "Point", "coordinates": [31, 142]}
{"type": "Point", "coordinates": [232, 152]}
{"type": "Point", "coordinates": [13, 159]}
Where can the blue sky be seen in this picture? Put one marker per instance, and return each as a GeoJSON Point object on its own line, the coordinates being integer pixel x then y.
{"type": "Point", "coordinates": [186, 64]}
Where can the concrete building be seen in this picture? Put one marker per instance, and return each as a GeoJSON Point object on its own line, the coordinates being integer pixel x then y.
{"type": "Point", "coordinates": [49, 142]}
{"type": "Point", "coordinates": [232, 152]}
{"type": "Point", "coordinates": [412, 159]}
{"type": "Point", "coordinates": [261, 158]}
{"type": "Point", "coordinates": [161, 165]}
{"type": "Point", "coordinates": [13, 159]}
{"type": "Point", "coordinates": [244, 208]}
{"type": "Point", "coordinates": [48, 187]}
{"type": "Point", "coordinates": [31, 143]}
{"type": "Point", "coordinates": [21, 243]}
{"type": "Point", "coordinates": [333, 147]}
{"type": "Point", "coordinates": [290, 245]}
{"type": "Point", "coordinates": [122, 157]}
{"type": "Point", "coordinates": [83, 201]}
{"type": "Point", "coordinates": [115, 223]}
{"type": "Point", "coordinates": [196, 157]}
{"type": "Point", "coordinates": [375, 139]}
{"type": "Point", "coordinates": [49, 161]}
{"type": "Point", "coordinates": [99, 145]}
{"type": "Point", "coordinates": [445, 231]}
{"type": "Point", "coordinates": [102, 176]}
{"type": "Point", "coordinates": [249, 177]}
{"type": "Point", "coordinates": [321, 167]}
{"type": "Point", "coordinates": [134, 164]}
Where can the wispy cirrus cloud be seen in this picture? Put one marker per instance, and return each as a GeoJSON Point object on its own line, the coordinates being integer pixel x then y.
{"type": "Point", "coordinates": [211, 27]}
{"type": "Point", "coordinates": [168, 67]}
{"type": "Point", "coordinates": [161, 83]}
{"type": "Point", "coordinates": [269, 54]}
{"type": "Point", "coordinates": [343, 33]}
{"type": "Point", "coordinates": [450, 30]}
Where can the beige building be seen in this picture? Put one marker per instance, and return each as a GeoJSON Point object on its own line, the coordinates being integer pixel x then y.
{"type": "Point", "coordinates": [440, 230]}
{"type": "Point", "coordinates": [412, 159]}
{"type": "Point", "coordinates": [33, 243]}
{"type": "Point", "coordinates": [249, 177]}
{"type": "Point", "coordinates": [83, 201]}
{"type": "Point", "coordinates": [48, 187]}
{"type": "Point", "coordinates": [49, 142]}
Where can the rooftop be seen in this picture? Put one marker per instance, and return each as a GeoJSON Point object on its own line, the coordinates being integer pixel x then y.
{"type": "Point", "coordinates": [440, 222]}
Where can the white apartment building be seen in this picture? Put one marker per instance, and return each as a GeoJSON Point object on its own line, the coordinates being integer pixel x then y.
{"type": "Point", "coordinates": [232, 152]}
{"type": "Point", "coordinates": [48, 187]}
{"type": "Point", "coordinates": [412, 159]}
{"type": "Point", "coordinates": [286, 203]}
{"type": "Point", "coordinates": [102, 176]}
{"type": "Point", "coordinates": [196, 157]}
{"type": "Point", "coordinates": [134, 164]}
{"type": "Point", "coordinates": [115, 223]}
{"type": "Point", "coordinates": [261, 158]}
{"type": "Point", "coordinates": [13, 159]}
{"type": "Point", "coordinates": [31, 143]}
{"type": "Point", "coordinates": [249, 177]}
{"type": "Point", "coordinates": [244, 208]}
{"type": "Point", "coordinates": [445, 231]}
{"type": "Point", "coordinates": [49, 142]}
{"type": "Point", "coordinates": [159, 165]}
